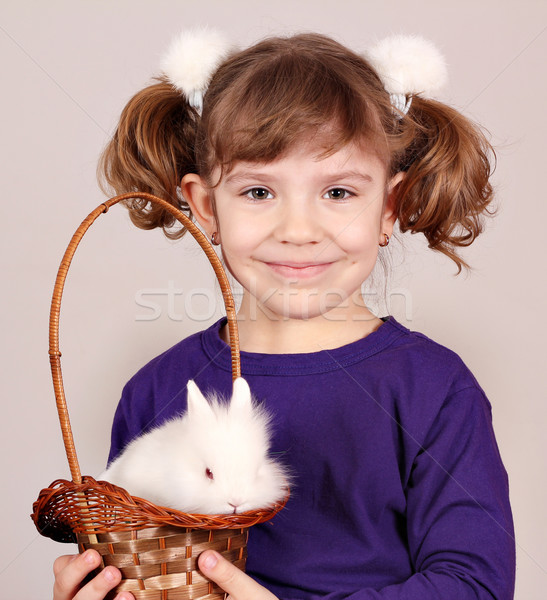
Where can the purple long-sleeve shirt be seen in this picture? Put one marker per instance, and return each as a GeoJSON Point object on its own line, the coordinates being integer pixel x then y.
{"type": "Point", "coordinates": [399, 490]}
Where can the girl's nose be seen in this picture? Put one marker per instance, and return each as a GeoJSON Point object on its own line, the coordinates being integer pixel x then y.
{"type": "Point", "coordinates": [298, 223]}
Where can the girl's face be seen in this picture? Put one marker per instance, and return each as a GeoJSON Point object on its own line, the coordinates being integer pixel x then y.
{"type": "Point", "coordinates": [300, 234]}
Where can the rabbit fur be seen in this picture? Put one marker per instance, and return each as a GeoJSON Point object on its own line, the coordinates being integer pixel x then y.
{"type": "Point", "coordinates": [213, 459]}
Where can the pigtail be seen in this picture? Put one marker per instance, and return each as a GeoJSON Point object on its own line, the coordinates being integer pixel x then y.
{"type": "Point", "coordinates": [150, 151]}
{"type": "Point", "coordinates": [446, 191]}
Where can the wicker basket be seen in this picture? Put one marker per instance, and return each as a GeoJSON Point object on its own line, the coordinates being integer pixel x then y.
{"type": "Point", "coordinates": [155, 548]}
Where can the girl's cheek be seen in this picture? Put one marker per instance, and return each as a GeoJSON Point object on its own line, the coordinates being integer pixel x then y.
{"type": "Point", "coordinates": [356, 238]}
{"type": "Point", "coordinates": [238, 252]}
{"type": "Point", "coordinates": [233, 230]}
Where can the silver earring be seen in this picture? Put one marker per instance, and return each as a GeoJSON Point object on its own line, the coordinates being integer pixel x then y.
{"type": "Point", "coordinates": [214, 238]}
{"type": "Point", "coordinates": [385, 242]}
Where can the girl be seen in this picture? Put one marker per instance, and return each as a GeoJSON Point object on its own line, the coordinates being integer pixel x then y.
{"type": "Point", "coordinates": [299, 166]}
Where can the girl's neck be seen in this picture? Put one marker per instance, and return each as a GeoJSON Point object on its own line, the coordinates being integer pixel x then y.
{"type": "Point", "coordinates": [281, 335]}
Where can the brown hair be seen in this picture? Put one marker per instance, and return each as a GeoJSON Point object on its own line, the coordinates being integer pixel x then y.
{"type": "Point", "coordinates": [264, 99]}
{"type": "Point", "coordinates": [150, 151]}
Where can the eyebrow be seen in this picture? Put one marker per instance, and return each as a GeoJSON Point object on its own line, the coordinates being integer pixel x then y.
{"type": "Point", "coordinates": [365, 177]}
{"type": "Point", "coordinates": [248, 175]}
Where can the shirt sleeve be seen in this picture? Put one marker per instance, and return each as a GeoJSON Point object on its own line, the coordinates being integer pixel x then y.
{"type": "Point", "coordinates": [459, 524]}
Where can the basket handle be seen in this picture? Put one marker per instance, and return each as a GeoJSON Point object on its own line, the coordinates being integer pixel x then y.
{"type": "Point", "coordinates": [55, 354]}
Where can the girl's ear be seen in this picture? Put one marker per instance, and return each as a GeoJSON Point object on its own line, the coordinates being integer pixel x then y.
{"type": "Point", "coordinates": [389, 215]}
{"type": "Point", "coordinates": [196, 192]}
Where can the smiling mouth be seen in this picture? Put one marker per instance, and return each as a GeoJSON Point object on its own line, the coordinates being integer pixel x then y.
{"type": "Point", "coordinates": [299, 270]}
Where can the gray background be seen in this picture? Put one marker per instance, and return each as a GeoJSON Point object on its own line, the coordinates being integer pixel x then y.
{"type": "Point", "coordinates": [68, 69]}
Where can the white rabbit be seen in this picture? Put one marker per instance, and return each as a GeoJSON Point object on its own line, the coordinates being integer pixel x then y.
{"type": "Point", "coordinates": [213, 459]}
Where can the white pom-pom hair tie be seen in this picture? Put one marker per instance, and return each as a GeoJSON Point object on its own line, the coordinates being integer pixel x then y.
{"type": "Point", "coordinates": [191, 60]}
{"type": "Point", "coordinates": [407, 65]}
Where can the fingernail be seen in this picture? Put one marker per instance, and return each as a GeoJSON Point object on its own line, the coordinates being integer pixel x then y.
{"type": "Point", "coordinates": [211, 559]}
{"type": "Point", "coordinates": [109, 575]}
{"type": "Point", "coordinates": [89, 557]}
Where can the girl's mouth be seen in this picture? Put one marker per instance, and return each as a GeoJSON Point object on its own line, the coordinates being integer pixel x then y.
{"type": "Point", "coordinates": [293, 270]}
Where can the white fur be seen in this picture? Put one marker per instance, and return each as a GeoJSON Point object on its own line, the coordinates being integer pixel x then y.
{"type": "Point", "coordinates": [409, 64]}
{"type": "Point", "coordinates": [168, 464]}
{"type": "Point", "coordinates": [192, 59]}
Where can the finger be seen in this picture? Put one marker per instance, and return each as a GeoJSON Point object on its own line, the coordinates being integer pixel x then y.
{"type": "Point", "coordinates": [100, 585]}
{"type": "Point", "coordinates": [62, 561]}
{"type": "Point", "coordinates": [70, 571]}
{"type": "Point", "coordinates": [231, 579]}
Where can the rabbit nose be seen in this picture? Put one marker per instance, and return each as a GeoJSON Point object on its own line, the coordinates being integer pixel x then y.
{"type": "Point", "coordinates": [235, 504]}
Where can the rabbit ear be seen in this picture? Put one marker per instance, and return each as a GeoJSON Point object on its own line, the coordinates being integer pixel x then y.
{"type": "Point", "coordinates": [241, 395]}
{"type": "Point", "coordinates": [197, 403]}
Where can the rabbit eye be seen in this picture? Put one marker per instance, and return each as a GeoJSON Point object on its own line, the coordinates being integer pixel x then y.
{"type": "Point", "coordinates": [209, 473]}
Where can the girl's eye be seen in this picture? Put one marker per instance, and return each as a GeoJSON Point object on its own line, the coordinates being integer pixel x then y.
{"type": "Point", "coordinates": [209, 474]}
{"type": "Point", "coordinates": [259, 193]}
{"type": "Point", "coordinates": [337, 194]}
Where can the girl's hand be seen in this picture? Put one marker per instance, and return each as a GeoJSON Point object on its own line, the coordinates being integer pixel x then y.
{"type": "Point", "coordinates": [231, 579]}
{"type": "Point", "coordinates": [70, 571]}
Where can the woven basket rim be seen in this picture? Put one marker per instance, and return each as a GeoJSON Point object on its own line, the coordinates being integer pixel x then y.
{"type": "Point", "coordinates": [65, 506]}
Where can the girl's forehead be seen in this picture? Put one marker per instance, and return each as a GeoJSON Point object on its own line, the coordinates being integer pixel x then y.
{"type": "Point", "coordinates": [307, 159]}
{"type": "Point", "coordinates": [277, 139]}
{"type": "Point", "coordinates": [308, 151]}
